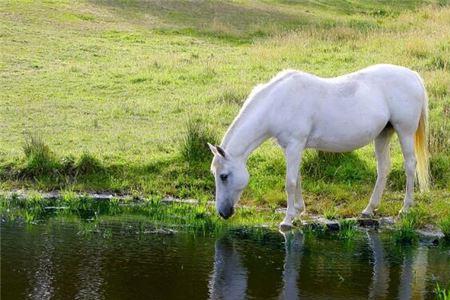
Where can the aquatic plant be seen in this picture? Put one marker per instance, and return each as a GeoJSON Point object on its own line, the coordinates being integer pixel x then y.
{"type": "Point", "coordinates": [199, 218]}
{"type": "Point", "coordinates": [441, 293]}
{"type": "Point", "coordinates": [405, 228]}
{"type": "Point", "coordinates": [314, 231]}
{"type": "Point", "coordinates": [347, 229]}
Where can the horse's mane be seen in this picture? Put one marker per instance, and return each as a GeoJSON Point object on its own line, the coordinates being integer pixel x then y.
{"type": "Point", "coordinates": [256, 95]}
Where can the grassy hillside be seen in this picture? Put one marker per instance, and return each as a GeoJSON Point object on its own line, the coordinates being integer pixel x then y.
{"type": "Point", "coordinates": [121, 95]}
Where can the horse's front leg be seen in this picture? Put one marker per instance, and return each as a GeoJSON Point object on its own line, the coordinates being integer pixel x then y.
{"type": "Point", "coordinates": [299, 203]}
{"type": "Point", "coordinates": [293, 159]}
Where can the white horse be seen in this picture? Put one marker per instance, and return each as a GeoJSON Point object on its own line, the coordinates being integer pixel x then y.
{"type": "Point", "coordinates": [301, 110]}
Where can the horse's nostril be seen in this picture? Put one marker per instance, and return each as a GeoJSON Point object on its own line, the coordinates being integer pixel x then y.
{"type": "Point", "coordinates": [227, 212]}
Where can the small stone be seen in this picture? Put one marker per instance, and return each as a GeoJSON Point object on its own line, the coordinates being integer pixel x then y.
{"type": "Point", "coordinates": [365, 222]}
{"type": "Point", "coordinates": [386, 221]}
{"type": "Point", "coordinates": [161, 231]}
{"type": "Point", "coordinates": [330, 224]}
{"type": "Point", "coordinates": [430, 234]}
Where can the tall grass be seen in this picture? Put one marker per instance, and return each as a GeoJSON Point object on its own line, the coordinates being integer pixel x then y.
{"type": "Point", "coordinates": [194, 147]}
{"type": "Point", "coordinates": [40, 162]}
{"type": "Point", "coordinates": [439, 132]}
{"type": "Point", "coordinates": [88, 164]}
{"type": "Point", "coordinates": [39, 159]}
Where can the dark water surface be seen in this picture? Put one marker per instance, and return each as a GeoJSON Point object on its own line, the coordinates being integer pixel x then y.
{"type": "Point", "coordinates": [63, 260]}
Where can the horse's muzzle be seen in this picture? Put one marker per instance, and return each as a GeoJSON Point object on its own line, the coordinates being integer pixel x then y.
{"type": "Point", "coordinates": [226, 212]}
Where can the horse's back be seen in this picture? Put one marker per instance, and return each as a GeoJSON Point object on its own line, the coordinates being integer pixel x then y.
{"type": "Point", "coordinates": [349, 111]}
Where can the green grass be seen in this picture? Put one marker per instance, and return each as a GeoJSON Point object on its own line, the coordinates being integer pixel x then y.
{"type": "Point", "coordinates": [152, 213]}
{"type": "Point", "coordinates": [120, 95]}
{"type": "Point", "coordinates": [347, 229]}
{"type": "Point", "coordinates": [405, 227]}
{"type": "Point", "coordinates": [441, 293]}
{"type": "Point", "coordinates": [444, 224]}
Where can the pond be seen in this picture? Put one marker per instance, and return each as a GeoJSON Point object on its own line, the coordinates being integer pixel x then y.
{"type": "Point", "coordinates": [71, 259]}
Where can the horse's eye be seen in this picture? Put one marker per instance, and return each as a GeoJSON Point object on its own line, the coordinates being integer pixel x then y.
{"type": "Point", "coordinates": [223, 177]}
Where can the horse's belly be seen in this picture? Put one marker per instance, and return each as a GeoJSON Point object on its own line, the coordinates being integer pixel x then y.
{"type": "Point", "coordinates": [346, 134]}
{"type": "Point", "coordinates": [345, 144]}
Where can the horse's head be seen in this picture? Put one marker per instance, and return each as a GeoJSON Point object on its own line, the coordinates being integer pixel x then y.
{"type": "Point", "coordinates": [231, 177]}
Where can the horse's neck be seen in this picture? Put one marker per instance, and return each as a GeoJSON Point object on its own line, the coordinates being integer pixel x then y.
{"type": "Point", "coordinates": [245, 135]}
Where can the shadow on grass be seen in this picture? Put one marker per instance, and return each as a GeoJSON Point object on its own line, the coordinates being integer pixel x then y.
{"type": "Point", "coordinates": [228, 21]}
{"type": "Point", "coordinates": [238, 23]}
{"type": "Point", "coordinates": [336, 167]}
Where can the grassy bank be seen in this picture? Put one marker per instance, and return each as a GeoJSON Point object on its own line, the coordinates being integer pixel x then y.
{"type": "Point", "coordinates": [152, 213]}
{"type": "Point", "coordinates": [155, 215]}
{"type": "Point", "coordinates": [121, 95]}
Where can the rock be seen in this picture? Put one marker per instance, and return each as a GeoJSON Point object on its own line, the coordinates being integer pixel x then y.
{"type": "Point", "coordinates": [318, 221]}
{"type": "Point", "coordinates": [428, 234]}
{"type": "Point", "coordinates": [56, 207]}
{"type": "Point", "coordinates": [176, 200]}
{"type": "Point", "coordinates": [367, 222]}
{"type": "Point", "coordinates": [386, 221]}
{"type": "Point", "coordinates": [96, 196]}
{"type": "Point", "coordinates": [161, 231]}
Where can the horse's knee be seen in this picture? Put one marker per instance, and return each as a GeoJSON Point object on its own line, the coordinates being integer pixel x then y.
{"type": "Point", "coordinates": [383, 169]}
{"type": "Point", "coordinates": [291, 185]}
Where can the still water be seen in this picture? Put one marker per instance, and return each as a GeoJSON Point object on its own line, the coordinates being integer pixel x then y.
{"type": "Point", "coordinates": [63, 260]}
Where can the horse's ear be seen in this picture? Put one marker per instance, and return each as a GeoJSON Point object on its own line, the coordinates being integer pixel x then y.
{"type": "Point", "coordinates": [212, 148]}
{"type": "Point", "coordinates": [221, 151]}
{"type": "Point", "coordinates": [217, 150]}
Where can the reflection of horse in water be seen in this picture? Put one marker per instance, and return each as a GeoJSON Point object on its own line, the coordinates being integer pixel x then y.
{"type": "Point", "coordinates": [229, 277]}
{"type": "Point", "coordinates": [412, 278]}
{"type": "Point", "coordinates": [293, 246]}
{"type": "Point", "coordinates": [413, 271]}
{"type": "Point", "coordinates": [380, 277]}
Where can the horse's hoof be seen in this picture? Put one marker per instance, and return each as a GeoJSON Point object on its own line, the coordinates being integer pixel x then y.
{"type": "Point", "coordinates": [285, 227]}
{"type": "Point", "coordinates": [366, 215]}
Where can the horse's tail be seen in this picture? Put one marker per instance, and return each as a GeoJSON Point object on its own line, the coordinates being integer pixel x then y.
{"type": "Point", "coordinates": [421, 144]}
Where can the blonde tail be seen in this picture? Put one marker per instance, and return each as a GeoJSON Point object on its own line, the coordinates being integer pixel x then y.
{"type": "Point", "coordinates": [421, 146]}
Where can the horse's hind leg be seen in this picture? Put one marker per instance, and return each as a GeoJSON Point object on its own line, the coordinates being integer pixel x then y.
{"type": "Point", "coordinates": [383, 166]}
{"type": "Point", "coordinates": [407, 144]}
